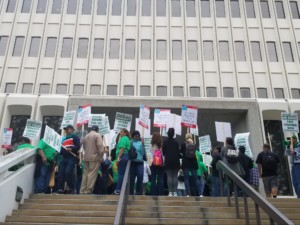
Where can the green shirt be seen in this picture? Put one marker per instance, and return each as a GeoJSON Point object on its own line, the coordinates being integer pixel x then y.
{"type": "Point", "coordinates": [26, 145]}
{"type": "Point", "coordinates": [201, 166]}
{"type": "Point", "coordinates": [124, 142]}
{"type": "Point", "coordinates": [49, 152]}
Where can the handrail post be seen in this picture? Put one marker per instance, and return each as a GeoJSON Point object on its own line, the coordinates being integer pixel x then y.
{"type": "Point", "coordinates": [221, 182]}
{"type": "Point", "coordinates": [236, 199]}
{"type": "Point", "coordinates": [228, 191]}
{"type": "Point", "coordinates": [257, 214]}
{"type": "Point", "coordinates": [246, 209]}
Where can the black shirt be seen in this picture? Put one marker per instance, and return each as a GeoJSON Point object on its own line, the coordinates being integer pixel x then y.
{"type": "Point", "coordinates": [266, 172]}
{"type": "Point", "coordinates": [172, 154]}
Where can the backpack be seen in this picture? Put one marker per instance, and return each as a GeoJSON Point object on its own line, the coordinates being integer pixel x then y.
{"type": "Point", "coordinates": [190, 151]}
{"type": "Point", "coordinates": [269, 160]}
{"type": "Point", "coordinates": [157, 158]}
{"type": "Point", "coordinates": [232, 156]}
{"type": "Point", "coordinates": [132, 152]}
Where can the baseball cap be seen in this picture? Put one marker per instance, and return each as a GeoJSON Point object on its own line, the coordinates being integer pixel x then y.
{"type": "Point", "coordinates": [95, 128]}
{"type": "Point", "coordinates": [69, 127]}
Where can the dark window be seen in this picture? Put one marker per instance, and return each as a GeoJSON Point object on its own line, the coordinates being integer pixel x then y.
{"type": "Point", "coordinates": [192, 50]}
{"type": "Point", "coordinates": [224, 51]}
{"type": "Point", "coordinates": [87, 7]}
{"type": "Point", "coordinates": [66, 51]}
{"type": "Point", "coordinates": [27, 88]}
{"type": "Point", "coordinates": [10, 88]}
{"type": "Point", "coordinates": [190, 8]}
{"type": "Point", "coordinates": [162, 91]}
{"type": "Point", "coordinates": [3, 45]}
{"type": "Point", "coordinates": [240, 51]}
{"type": "Point", "coordinates": [161, 8]}
{"type": "Point", "coordinates": [18, 124]}
{"type": "Point", "coordinates": [130, 49]}
{"type": "Point", "coordinates": [72, 7]}
{"type": "Point", "coordinates": [34, 47]}
{"type": "Point", "coordinates": [61, 89]}
{"type": "Point", "coordinates": [245, 93]}
{"type": "Point", "coordinates": [211, 92]}
{"type": "Point", "coordinates": [195, 91]}
{"type": "Point", "coordinates": [128, 90]}
{"type": "Point", "coordinates": [296, 93]}
{"type": "Point", "coordinates": [95, 90]}
{"type": "Point", "coordinates": [294, 9]}
{"type": "Point", "coordinates": [146, 49]}
{"type": "Point", "coordinates": [176, 11]}
{"type": "Point", "coordinates": [83, 46]}
{"type": "Point", "coordinates": [78, 89]}
{"type": "Point", "coordinates": [262, 93]}
{"type": "Point", "coordinates": [250, 9]}
{"type": "Point", "coordinates": [116, 7]}
{"type": "Point", "coordinates": [98, 48]}
{"type": "Point", "coordinates": [18, 47]}
{"type": "Point", "coordinates": [178, 91]}
{"type": "Point", "coordinates": [52, 121]}
{"type": "Point", "coordinates": [208, 51]}
{"type": "Point", "coordinates": [220, 8]}
{"type": "Point", "coordinates": [272, 52]}
{"type": "Point", "coordinates": [288, 53]}
{"type": "Point", "coordinates": [11, 6]}
{"type": "Point", "coordinates": [41, 7]}
{"type": "Point", "coordinates": [235, 9]}
{"type": "Point", "coordinates": [145, 91]}
{"type": "Point", "coordinates": [44, 89]}
{"type": "Point", "coordinates": [228, 92]}
{"type": "Point", "coordinates": [26, 6]}
{"type": "Point", "coordinates": [131, 7]}
{"type": "Point", "coordinates": [146, 7]}
{"type": "Point", "coordinates": [279, 93]}
{"type": "Point", "coordinates": [256, 52]}
{"type": "Point", "coordinates": [102, 7]}
{"type": "Point", "coordinates": [205, 8]}
{"type": "Point", "coordinates": [56, 7]}
{"type": "Point", "coordinates": [177, 50]}
{"type": "Point", "coordinates": [112, 90]}
{"type": "Point", "coordinates": [50, 47]}
{"type": "Point", "coordinates": [265, 11]}
{"type": "Point", "coordinates": [161, 50]}
{"type": "Point", "coordinates": [114, 49]}
{"type": "Point", "coordinates": [280, 10]}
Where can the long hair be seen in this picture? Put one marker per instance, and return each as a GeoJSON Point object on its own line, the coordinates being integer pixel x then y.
{"type": "Point", "coordinates": [189, 138]}
{"type": "Point", "coordinates": [126, 132]}
{"type": "Point", "coordinates": [156, 140]}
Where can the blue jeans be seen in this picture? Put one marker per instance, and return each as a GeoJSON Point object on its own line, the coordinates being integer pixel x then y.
{"type": "Point", "coordinates": [215, 186]}
{"type": "Point", "coordinates": [202, 184]}
{"type": "Point", "coordinates": [42, 181]}
{"type": "Point", "coordinates": [187, 182]}
{"type": "Point", "coordinates": [181, 193]}
{"type": "Point", "coordinates": [157, 180]}
{"type": "Point", "coordinates": [66, 173]}
{"type": "Point", "coordinates": [296, 178]}
{"type": "Point", "coordinates": [121, 171]}
{"type": "Point", "coordinates": [136, 171]}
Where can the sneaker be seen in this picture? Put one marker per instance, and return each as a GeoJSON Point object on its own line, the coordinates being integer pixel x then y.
{"type": "Point", "coordinates": [175, 194]}
{"type": "Point", "coordinates": [188, 196]}
{"type": "Point", "coordinates": [117, 193]}
{"type": "Point", "coordinates": [170, 194]}
{"type": "Point", "coordinates": [60, 191]}
{"type": "Point", "coordinates": [201, 196]}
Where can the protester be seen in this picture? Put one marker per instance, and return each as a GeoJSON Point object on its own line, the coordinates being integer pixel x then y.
{"type": "Point", "coordinates": [215, 177]}
{"type": "Point", "coordinates": [267, 162]}
{"type": "Point", "coordinates": [25, 143]}
{"type": "Point", "coordinates": [69, 151]}
{"type": "Point", "coordinates": [123, 147]}
{"type": "Point", "coordinates": [172, 164]}
{"type": "Point", "coordinates": [254, 177]}
{"type": "Point", "coordinates": [157, 166]}
{"type": "Point", "coordinates": [93, 155]}
{"type": "Point", "coordinates": [201, 172]}
{"type": "Point", "coordinates": [246, 163]}
{"type": "Point", "coordinates": [181, 187]}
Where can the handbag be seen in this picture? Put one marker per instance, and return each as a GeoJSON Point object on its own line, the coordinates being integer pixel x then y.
{"type": "Point", "coordinates": [132, 152]}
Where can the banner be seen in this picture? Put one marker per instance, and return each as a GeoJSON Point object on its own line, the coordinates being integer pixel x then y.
{"type": "Point", "coordinates": [52, 138]}
{"type": "Point", "coordinates": [223, 131]}
{"type": "Point", "coordinates": [161, 117]}
{"type": "Point", "coordinates": [6, 137]}
{"type": "Point", "coordinates": [144, 116]}
{"type": "Point", "coordinates": [138, 127]}
{"type": "Point", "coordinates": [243, 140]}
{"type": "Point", "coordinates": [290, 122]}
{"type": "Point", "coordinates": [204, 144]}
{"type": "Point", "coordinates": [207, 159]}
{"type": "Point", "coordinates": [174, 121]}
{"type": "Point", "coordinates": [95, 120]}
{"type": "Point", "coordinates": [83, 114]}
{"type": "Point", "coordinates": [189, 115]}
{"type": "Point", "coordinates": [195, 131]}
{"type": "Point", "coordinates": [122, 120]}
{"type": "Point", "coordinates": [32, 129]}
{"type": "Point", "coordinates": [68, 119]}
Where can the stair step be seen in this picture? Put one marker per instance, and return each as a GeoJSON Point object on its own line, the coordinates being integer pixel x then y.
{"type": "Point", "coordinates": [71, 201]}
{"type": "Point", "coordinates": [30, 212]}
{"type": "Point", "coordinates": [69, 207]}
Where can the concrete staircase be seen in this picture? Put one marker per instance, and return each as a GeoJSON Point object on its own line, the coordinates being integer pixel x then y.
{"type": "Point", "coordinates": [83, 209]}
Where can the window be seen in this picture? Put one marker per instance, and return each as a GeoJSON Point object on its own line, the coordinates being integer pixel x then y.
{"type": "Point", "coordinates": [10, 88]}
{"type": "Point", "coordinates": [34, 47]}
{"type": "Point", "coordinates": [265, 11]}
{"type": "Point", "coordinates": [176, 50]}
{"type": "Point", "coordinates": [95, 90]}
{"type": "Point", "coordinates": [177, 91]}
{"type": "Point", "coordinates": [98, 48]}
{"type": "Point", "coordinates": [3, 45]}
{"type": "Point", "coordinates": [235, 9]}
{"type": "Point", "coordinates": [18, 47]}
{"type": "Point", "coordinates": [192, 50]}
{"type": "Point", "coordinates": [245, 93]}
{"type": "Point", "coordinates": [288, 53]}
{"type": "Point", "coordinates": [27, 88]}
{"type": "Point", "coordinates": [194, 91]}
{"type": "Point", "coordinates": [56, 7]}
{"type": "Point", "coordinates": [161, 91]}
{"type": "Point", "coordinates": [205, 8]}
{"type": "Point", "coordinates": [146, 7]}
{"type": "Point", "coordinates": [208, 51]}
{"type": "Point", "coordinates": [44, 89]}
{"type": "Point", "coordinates": [66, 51]}
{"type": "Point", "coordinates": [146, 49]}
{"type": "Point", "coordinates": [131, 7]}
{"type": "Point", "coordinates": [26, 6]}
{"type": "Point", "coordinates": [176, 12]}
{"type": "Point", "coordinates": [161, 8]}
{"type": "Point", "coordinates": [130, 49]}
{"type": "Point", "coordinates": [86, 7]}
{"type": "Point", "coordinates": [240, 53]}
{"type": "Point", "coordinates": [78, 89]}
{"type": "Point", "coordinates": [41, 7]}
{"type": "Point", "coordinates": [224, 51]}
{"type": "Point", "coordinates": [11, 5]}
{"type": "Point", "coordinates": [294, 9]}
{"type": "Point", "coordinates": [161, 50]}
{"type": "Point", "coordinates": [190, 8]}
{"type": "Point", "coordinates": [272, 52]}
{"type": "Point", "coordinates": [83, 46]}
{"type": "Point", "coordinates": [61, 89]}
{"type": "Point", "coordinates": [72, 7]}
{"type": "Point", "coordinates": [50, 47]}
{"type": "Point", "coordinates": [112, 90]}
{"type": "Point", "coordinates": [114, 48]}
{"type": "Point", "coordinates": [262, 93]}
{"type": "Point", "coordinates": [116, 7]}
{"type": "Point", "coordinates": [145, 91]}
{"type": "Point", "coordinates": [128, 90]}
{"type": "Point", "coordinates": [295, 93]}
{"type": "Point", "coordinates": [102, 7]}
{"type": "Point", "coordinates": [279, 93]}
{"type": "Point", "coordinates": [220, 8]}
{"type": "Point", "coordinates": [250, 9]}
{"type": "Point", "coordinates": [256, 52]}
{"type": "Point", "coordinates": [211, 92]}
{"type": "Point", "coordinates": [228, 92]}
{"type": "Point", "coordinates": [279, 10]}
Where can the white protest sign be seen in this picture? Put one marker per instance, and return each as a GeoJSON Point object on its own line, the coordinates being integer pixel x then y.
{"type": "Point", "coordinates": [52, 138]}
{"type": "Point", "coordinates": [32, 129]}
{"type": "Point", "coordinates": [207, 159]}
{"type": "Point", "coordinates": [290, 122]}
{"type": "Point", "coordinates": [174, 121]}
{"type": "Point", "coordinates": [161, 117]}
{"type": "Point", "coordinates": [105, 127]}
{"type": "Point", "coordinates": [195, 131]}
{"type": "Point", "coordinates": [6, 137]}
{"type": "Point", "coordinates": [68, 119]}
{"type": "Point", "coordinates": [223, 131]}
{"type": "Point", "coordinates": [146, 132]}
{"type": "Point", "coordinates": [243, 140]}
{"type": "Point", "coordinates": [83, 115]}
{"type": "Point", "coordinates": [204, 144]}
{"type": "Point", "coordinates": [122, 120]}
{"type": "Point", "coordinates": [112, 139]}
{"type": "Point", "coordinates": [147, 143]}
{"type": "Point", "coordinates": [144, 116]}
{"type": "Point", "coordinates": [189, 115]}
{"type": "Point", "coordinates": [96, 120]}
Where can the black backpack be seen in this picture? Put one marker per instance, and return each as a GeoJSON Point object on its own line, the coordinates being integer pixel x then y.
{"type": "Point", "coordinates": [190, 151]}
{"type": "Point", "coordinates": [269, 160]}
{"type": "Point", "coordinates": [132, 152]}
{"type": "Point", "coordinates": [232, 155]}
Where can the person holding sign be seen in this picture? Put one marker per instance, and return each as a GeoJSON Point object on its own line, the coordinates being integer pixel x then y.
{"type": "Point", "coordinates": [25, 143]}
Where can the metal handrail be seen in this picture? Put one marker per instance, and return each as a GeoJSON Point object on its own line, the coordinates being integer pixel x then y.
{"type": "Point", "coordinates": [123, 199]}
{"type": "Point", "coordinates": [274, 214]}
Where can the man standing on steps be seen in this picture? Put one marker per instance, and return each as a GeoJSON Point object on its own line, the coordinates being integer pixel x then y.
{"type": "Point", "coordinates": [267, 163]}
{"type": "Point", "coordinates": [93, 154]}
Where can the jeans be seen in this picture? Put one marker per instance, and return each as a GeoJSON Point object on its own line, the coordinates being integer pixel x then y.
{"type": "Point", "coordinates": [66, 173]}
{"type": "Point", "coordinates": [181, 193]}
{"type": "Point", "coordinates": [172, 176]}
{"type": "Point", "coordinates": [42, 181]}
{"type": "Point", "coordinates": [202, 184]}
{"type": "Point", "coordinates": [215, 189]}
{"type": "Point", "coordinates": [296, 178]}
{"type": "Point", "coordinates": [121, 171]}
{"type": "Point", "coordinates": [157, 180]}
{"type": "Point", "coordinates": [187, 182]}
{"type": "Point", "coordinates": [136, 171]}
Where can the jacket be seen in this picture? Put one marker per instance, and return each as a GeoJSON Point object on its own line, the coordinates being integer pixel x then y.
{"type": "Point", "coordinates": [93, 146]}
{"type": "Point", "coordinates": [186, 162]}
{"type": "Point", "coordinates": [171, 153]}
{"type": "Point", "coordinates": [140, 150]}
{"type": "Point", "coordinates": [70, 141]}
{"type": "Point", "coordinates": [237, 168]}
{"type": "Point", "coordinates": [295, 159]}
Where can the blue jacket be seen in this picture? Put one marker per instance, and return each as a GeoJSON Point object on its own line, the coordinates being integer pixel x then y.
{"type": "Point", "coordinates": [140, 150]}
{"type": "Point", "coordinates": [70, 141]}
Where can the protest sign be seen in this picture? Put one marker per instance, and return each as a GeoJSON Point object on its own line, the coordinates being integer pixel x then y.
{"type": "Point", "coordinates": [83, 114]}
{"type": "Point", "coordinates": [174, 121]}
{"type": "Point", "coordinates": [52, 138]}
{"type": "Point", "coordinates": [104, 127]}
{"type": "Point", "coordinates": [122, 120]}
{"type": "Point", "coordinates": [207, 159]}
{"type": "Point", "coordinates": [189, 116]}
{"type": "Point", "coordinates": [144, 116]}
{"type": "Point", "coordinates": [195, 131]}
{"type": "Point", "coordinates": [68, 119]}
{"type": "Point", "coordinates": [204, 144]}
{"type": "Point", "coordinates": [143, 131]}
{"type": "Point", "coordinates": [161, 117]}
{"type": "Point", "coordinates": [96, 120]}
{"type": "Point", "coordinates": [147, 143]}
{"type": "Point", "coordinates": [32, 129]}
{"type": "Point", "coordinates": [223, 131]}
{"type": "Point", "coordinates": [290, 122]}
{"type": "Point", "coordinates": [6, 137]}
{"type": "Point", "coordinates": [112, 139]}
{"type": "Point", "coordinates": [243, 140]}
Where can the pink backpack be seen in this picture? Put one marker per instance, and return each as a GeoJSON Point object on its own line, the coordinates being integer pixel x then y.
{"type": "Point", "coordinates": [157, 158]}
